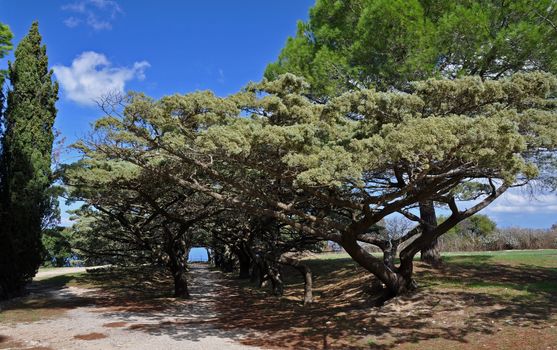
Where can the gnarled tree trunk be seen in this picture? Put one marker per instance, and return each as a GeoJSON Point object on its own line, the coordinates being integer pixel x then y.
{"type": "Point", "coordinates": [396, 281]}
{"type": "Point", "coordinates": [430, 254]}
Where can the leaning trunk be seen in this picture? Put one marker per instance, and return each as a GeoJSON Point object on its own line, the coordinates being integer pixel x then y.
{"type": "Point", "coordinates": [396, 282]}
{"type": "Point", "coordinates": [430, 254]}
{"type": "Point", "coordinates": [210, 260]}
{"type": "Point", "coordinates": [178, 268]}
{"type": "Point", "coordinates": [256, 276]}
{"type": "Point", "coordinates": [389, 255]}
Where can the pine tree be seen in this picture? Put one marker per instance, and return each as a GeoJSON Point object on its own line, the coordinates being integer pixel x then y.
{"type": "Point", "coordinates": [26, 162]}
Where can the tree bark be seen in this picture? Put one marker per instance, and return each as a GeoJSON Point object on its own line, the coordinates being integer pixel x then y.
{"type": "Point", "coordinates": [396, 282]}
{"type": "Point", "coordinates": [389, 255]}
{"type": "Point", "coordinates": [244, 262]}
{"type": "Point", "coordinates": [308, 284]}
{"type": "Point", "coordinates": [255, 273]}
{"type": "Point", "coordinates": [181, 285]}
{"type": "Point", "coordinates": [429, 254]}
{"type": "Point", "coordinates": [274, 274]}
{"type": "Point", "coordinates": [306, 274]}
{"type": "Point", "coordinates": [177, 250]}
{"type": "Point", "coordinates": [210, 258]}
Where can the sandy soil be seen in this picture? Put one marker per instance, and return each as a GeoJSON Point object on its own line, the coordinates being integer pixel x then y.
{"type": "Point", "coordinates": [189, 326]}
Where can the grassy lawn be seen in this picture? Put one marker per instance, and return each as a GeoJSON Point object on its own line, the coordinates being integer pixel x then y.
{"type": "Point", "coordinates": [527, 258]}
{"type": "Point", "coordinates": [536, 261]}
{"type": "Point", "coordinates": [542, 257]}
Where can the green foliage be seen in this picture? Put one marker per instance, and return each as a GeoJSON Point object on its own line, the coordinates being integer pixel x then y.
{"type": "Point", "coordinates": [56, 242]}
{"type": "Point", "coordinates": [480, 225]}
{"type": "Point", "coordinates": [383, 44]}
{"type": "Point", "coordinates": [5, 46]}
{"type": "Point", "coordinates": [26, 163]}
{"type": "Point", "coordinates": [336, 155]}
{"type": "Point", "coordinates": [476, 226]}
{"type": "Point", "coordinates": [5, 39]}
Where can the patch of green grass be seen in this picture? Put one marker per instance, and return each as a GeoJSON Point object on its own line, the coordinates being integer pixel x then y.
{"type": "Point", "coordinates": [499, 289]}
{"type": "Point", "coordinates": [539, 258]}
{"type": "Point", "coordinates": [514, 274]}
{"type": "Point", "coordinates": [522, 274]}
{"type": "Point", "coordinates": [58, 281]}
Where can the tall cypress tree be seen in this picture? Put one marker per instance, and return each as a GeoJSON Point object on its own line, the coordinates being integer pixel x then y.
{"type": "Point", "coordinates": [5, 46]}
{"type": "Point", "coordinates": [26, 162]}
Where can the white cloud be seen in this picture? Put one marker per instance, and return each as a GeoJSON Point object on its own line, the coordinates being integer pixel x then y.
{"type": "Point", "coordinates": [72, 22]}
{"type": "Point", "coordinates": [97, 14]}
{"type": "Point", "coordinates": [220, 79]}
{"type": "Point", "coordinates": [92, 76]}
{"type": "Point", "coordinates": [516, 201]}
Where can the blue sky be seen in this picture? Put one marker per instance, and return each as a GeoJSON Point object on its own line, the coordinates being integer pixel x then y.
{"type": "Point", "coordinates": [164, 47]}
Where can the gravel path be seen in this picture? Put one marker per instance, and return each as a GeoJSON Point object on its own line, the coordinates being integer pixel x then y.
{"type": "Point", "coordinates": [188, 326]}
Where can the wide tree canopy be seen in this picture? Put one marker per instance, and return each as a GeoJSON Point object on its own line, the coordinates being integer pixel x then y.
{"type": "Point", "coordinates": [333, 170]}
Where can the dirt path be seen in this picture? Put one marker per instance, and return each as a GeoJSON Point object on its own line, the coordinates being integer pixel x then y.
{"type": "Point", "coordinates": [187, 326]}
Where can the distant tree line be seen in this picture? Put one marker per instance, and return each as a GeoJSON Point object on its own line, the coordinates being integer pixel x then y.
{"type": "Point", "coordinates": [482, 234]}
{"type": "Point", "coordinates": [479, 233]}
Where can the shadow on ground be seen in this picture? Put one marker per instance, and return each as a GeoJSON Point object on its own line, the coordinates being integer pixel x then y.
{"type": "Point", "coordinates": [139, 299]}
{"type": "Point", "coordinates": [156, 313]}
{"type": "Point", "coordinates": [460, 304]}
